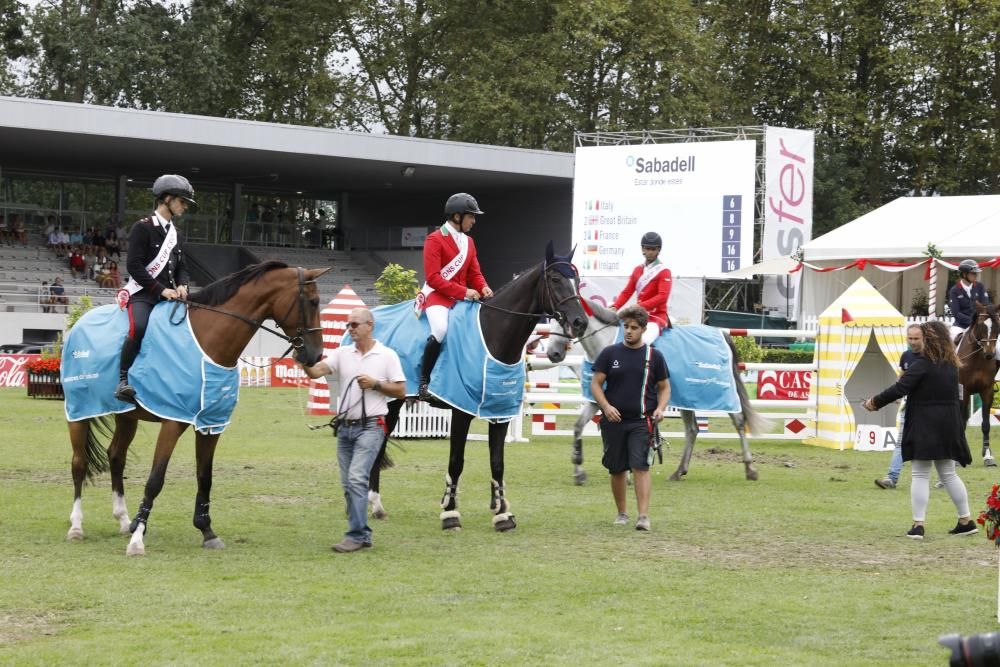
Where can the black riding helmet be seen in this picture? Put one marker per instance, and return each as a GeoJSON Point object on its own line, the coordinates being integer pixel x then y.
{"type": "Point", "coordinates": [969, 266]}
{"type": "Point", "coordinates": [651, 240]}
{"type": "Point", "coordinates": [172, 184]}
{"type": "Point", "coordinates": [461, 203]}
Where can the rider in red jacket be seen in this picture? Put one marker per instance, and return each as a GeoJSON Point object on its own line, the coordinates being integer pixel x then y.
{"type": "Point", "coordinates": [652, 282]}
{"type": "Point", "coordinates": [452, 273]}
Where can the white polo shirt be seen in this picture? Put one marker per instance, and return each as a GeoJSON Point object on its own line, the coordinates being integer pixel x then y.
{"type": "Point", "coordinates": [380, 362]}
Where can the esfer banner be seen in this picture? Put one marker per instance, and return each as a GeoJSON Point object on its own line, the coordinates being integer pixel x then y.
{"type": "Point", "coordinates": [788, 210]}
{"type": "Point", "coordinates": [698, 196]}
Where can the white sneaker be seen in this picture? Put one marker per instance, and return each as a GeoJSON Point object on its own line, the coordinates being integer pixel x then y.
{"type": "Point", "coordinates": [642, 523]}
{"type": "Point", "coordinates": [621, 519]}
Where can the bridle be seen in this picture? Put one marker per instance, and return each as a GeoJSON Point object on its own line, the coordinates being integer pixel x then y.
{"type": "Point", "coordinates": [981, 343]}
{"type": "Point", "coordinates": [548, 297]}
{"type": "Point", "coordinates": [296, 342]}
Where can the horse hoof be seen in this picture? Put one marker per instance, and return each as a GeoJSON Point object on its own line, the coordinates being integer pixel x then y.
{"type": "Point", "coordinates": [74, 534]}
{"type": "Point", "coordinates": [752, 475]}
{"type": "Point", "coordinates": [504, 522]}
{"type": "Point", "coordinates": [214, 543]}
{"type": "Point", "coordinates": [380, 514]}
{"type": "Point", "coordinates": [579, 478]}
{"type": "Point", "coordinates": [676, 477]}
{"type": "Point", "coordinates": [990, 463]}
{"type": "Point", "coordinates": [135, 550]}
{"type": "Point", "coordinates": [451, 523]}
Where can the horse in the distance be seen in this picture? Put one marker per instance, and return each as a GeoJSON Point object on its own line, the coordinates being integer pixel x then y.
{"type": "Point", "coordinates": [978, 354]}
{"type": "Point", "coordinates": [602, 330]}
{"type": "Point", "coordinates": [503, 324]}
{"type": "Point", "coordinates": [186, 374]}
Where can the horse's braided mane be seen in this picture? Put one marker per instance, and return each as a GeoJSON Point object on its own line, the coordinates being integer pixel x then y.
{"type": "Point", "coordinates": [224, 289]}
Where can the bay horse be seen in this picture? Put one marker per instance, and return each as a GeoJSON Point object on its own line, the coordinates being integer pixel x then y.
{"type": "Point", "coordinates": [602, 328]}
{"type": "Point", "coordinates": [977, 373]}
{"type": "Point", "coordinates": [223, 318]}
{"type": "Point", "coordinates": [549, 289]}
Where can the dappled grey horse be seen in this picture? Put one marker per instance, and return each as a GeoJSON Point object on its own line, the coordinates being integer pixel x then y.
{"type": "Point", "coordinates": [602, 328]}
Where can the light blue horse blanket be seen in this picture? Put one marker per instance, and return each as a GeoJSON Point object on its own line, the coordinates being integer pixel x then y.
{"type": "Point", "coordinates": [700, 364]}
{"type": "Point", "coordinates": [466, 376]}
{"type": "Point", "coordinates": [182, 384]}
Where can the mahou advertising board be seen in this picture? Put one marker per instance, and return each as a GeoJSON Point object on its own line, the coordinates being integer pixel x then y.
{"type": "Point", "coordinates": [14, 369]}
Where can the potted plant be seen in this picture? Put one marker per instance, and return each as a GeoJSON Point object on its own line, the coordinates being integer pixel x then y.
{"type": "Point", "coordinates": [43, 377]}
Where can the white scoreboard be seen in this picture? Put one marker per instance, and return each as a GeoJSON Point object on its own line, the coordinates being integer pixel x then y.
{"type": "Point", "coordinates": [698, 196]}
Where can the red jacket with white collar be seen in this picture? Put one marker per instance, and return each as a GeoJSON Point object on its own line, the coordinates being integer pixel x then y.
{"type": "Point", "coordinates": [653, 296]}
{"type": "Point", "coordinates": [438, 251]}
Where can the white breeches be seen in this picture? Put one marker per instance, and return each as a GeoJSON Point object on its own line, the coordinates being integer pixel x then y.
{"type": "Point", "coordinates": [437, 317]}
{"type": "Point", "coordinates": [652, 333]}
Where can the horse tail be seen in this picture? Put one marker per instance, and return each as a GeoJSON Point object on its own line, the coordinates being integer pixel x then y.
{"type": "Point", "coordinates": [99, 429]}
{"type": "Point", "coordinates": [383, 460]}
{"type": "Point", "coordinates": [753, 421]}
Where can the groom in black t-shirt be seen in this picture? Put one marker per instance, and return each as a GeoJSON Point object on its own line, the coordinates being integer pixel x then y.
{"type": "Point", "coordinates": [632, 403]}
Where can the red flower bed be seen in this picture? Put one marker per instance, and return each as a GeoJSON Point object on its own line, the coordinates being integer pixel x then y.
{"type": "Point", "coordinates": [42, 365]}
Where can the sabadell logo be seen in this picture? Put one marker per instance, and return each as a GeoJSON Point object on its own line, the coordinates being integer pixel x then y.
{"type": "Point", "coordinates": [643, 165]}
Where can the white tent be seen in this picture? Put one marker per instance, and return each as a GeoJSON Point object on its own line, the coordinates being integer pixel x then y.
{"type": "Point", "coordinates": [959, 227]}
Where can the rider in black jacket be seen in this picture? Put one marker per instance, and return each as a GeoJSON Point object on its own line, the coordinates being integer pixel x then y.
{"type": "Point", "coordinates": [964, 294]}
{"type": "Point", "coordinates": [151, 280]}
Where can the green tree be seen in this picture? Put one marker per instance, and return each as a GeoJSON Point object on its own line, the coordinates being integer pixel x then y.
{"type": "Point", "coordinates": [396, 284]}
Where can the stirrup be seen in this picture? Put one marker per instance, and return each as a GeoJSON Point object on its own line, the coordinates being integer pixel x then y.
{"type": "Point", "coordinates": [424, 392]}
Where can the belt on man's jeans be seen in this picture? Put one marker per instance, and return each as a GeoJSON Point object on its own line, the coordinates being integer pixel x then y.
{"type": "Point", "coordinates": [358, 422]}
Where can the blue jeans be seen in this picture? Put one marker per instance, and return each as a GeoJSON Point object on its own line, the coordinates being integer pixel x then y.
{"type": "Point", "coordinates": [896, 464]}
{"type": "Point", "coordinates": [357, 447]}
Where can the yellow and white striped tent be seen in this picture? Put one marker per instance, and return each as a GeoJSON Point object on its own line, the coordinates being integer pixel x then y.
{"type": "Point", "coordinates": [844, 332]}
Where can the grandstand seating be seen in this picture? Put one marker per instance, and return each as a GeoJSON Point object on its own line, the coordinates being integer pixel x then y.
{"type": "Point", "coordinates": [22, 271]}
{"type": "Point", "coordinates": [346, 270]}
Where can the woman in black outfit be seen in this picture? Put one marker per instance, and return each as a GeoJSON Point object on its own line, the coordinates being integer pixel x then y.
{"type": "Point", "coordinates": [934, 430]}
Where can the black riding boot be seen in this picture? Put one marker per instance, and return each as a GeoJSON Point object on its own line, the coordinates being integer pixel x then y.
{"type": "Point", "coordinates": [126, 392]}
{"type": "Point", "coordinates": [431, 352]}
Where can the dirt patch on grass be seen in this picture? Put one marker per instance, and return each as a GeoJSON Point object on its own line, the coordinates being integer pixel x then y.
{"type": "Point", "coordinates": [731, 455]}
{"type": "Point", "coordinates": [17, 625]}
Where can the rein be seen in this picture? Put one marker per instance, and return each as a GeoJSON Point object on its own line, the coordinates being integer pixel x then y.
{"type": "Point", "coordinates": [296, 342]}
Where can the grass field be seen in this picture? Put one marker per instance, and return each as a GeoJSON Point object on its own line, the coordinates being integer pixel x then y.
{"type": "Point", "coordinates": [808, 566]}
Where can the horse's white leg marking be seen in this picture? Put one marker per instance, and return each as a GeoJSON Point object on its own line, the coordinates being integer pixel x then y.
{"type": "Point", "coordinates": [375, 500]}
{"type": "Point", "coordinates": [76, 521]}
{"type": "Point", "coordinates": [690, 434]}
{"type": "Point", "coordinates": [120, 512]}
{"type": "Point", "coordinates": [741, 429]}
{"type": "Point", "coordinates": [135, 545]}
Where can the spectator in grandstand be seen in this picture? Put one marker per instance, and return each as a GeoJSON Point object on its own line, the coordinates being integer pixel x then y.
{"type": "Point", "coordinates": [98, 241]}
{"type": "Point", "coordinates": [90, 262]}
{"type": "Point", "coordinates": [58, 293]}
{"type": "Point", "coordinates": [45, 297]}
{"type": "Point", "coordinates": [101, 261]}
{"type": "Point", "coordinates": [50, 225]}
{"type": "Point", "coordinates": [64, 240]}
{"type": "Point", "coordinates": [88, 239]}
{"type": "Point", "coordinates": [111, 244]}
{"type": "Point", "coordinates": [4, 235]}
{"type": "Point", "coordinates": [77, 264]}
{"type": "Point", "coordinates": [114, 277]}
{"type": "Point", "coordinates": [54, 244]}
